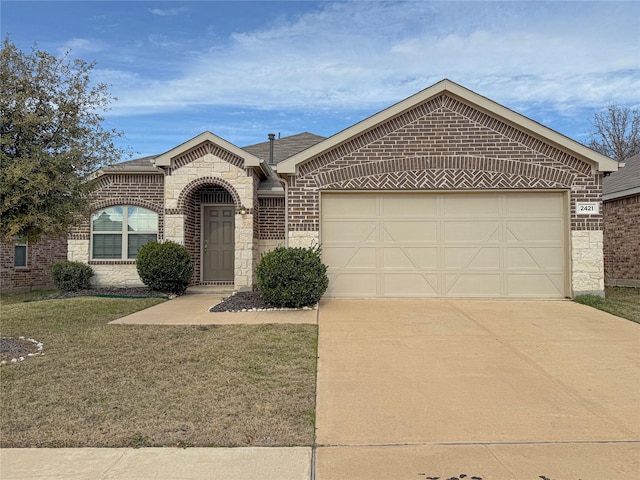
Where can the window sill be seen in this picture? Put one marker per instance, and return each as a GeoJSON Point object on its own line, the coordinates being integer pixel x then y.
{"type": "Point", "coordinates": [22, 269]}
{"type": "Point", "coordinates": [112, 262]}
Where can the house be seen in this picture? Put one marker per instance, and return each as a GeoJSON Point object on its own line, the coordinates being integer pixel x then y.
{"type": "Point", "coordinates": [621, 208]}
{"type": "Point", "coordinates": [445, 194]}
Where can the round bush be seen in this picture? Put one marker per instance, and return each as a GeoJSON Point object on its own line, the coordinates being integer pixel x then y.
{"type": "Point", "coordinates": [292, 277]}
{"type": "Point", "coordinates": [71, 276]}
{"type": "Point", "coordinates": [165, 267]}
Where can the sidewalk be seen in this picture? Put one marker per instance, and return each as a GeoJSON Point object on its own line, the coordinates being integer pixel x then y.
{"type": "Point", "coordinates": [293, 463]}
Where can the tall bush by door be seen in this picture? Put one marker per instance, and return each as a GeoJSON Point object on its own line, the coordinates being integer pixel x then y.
{"type": "Point", "coordinates": [292, 277]}
{"type": "Point", "coordinates": [165, 267]}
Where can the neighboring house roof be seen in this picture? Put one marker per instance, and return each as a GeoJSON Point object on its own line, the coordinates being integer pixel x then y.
{"type": "Point", "coordinates": [596, 159]}
{"type": "Point", "coordinates": [137, 165]}
{"type": "Point", "coordinates": [624, 182]}
{"type": "Point", "coordinates": [285, 147]}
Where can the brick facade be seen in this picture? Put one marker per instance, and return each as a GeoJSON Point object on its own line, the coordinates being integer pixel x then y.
{"type": "Point", "coordinates": [37, 274]}
{"type": "Point", "coordinates": [622, 241]}
{"type": "Point", "coordinates": [271, 218]}
{"type": "Point", "coordinates": [442, 144]}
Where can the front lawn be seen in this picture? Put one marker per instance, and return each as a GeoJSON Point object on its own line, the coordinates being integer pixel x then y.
{"type": "Point", "coordinates": [620, 301]}
{"type": "Point", "coordinates": [103, 385]}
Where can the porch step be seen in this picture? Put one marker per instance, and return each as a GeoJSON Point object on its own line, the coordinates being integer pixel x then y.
{"type": "Point", "coordinates": [211, 289]}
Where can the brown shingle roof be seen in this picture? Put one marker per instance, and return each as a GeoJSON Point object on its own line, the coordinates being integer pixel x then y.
{"type": "Point", "coordinates": [284, 147]}
{"type": "Point", "coordinates": [625, 181]}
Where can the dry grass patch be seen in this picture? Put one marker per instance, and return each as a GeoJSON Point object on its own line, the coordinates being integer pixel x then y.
{"type": "Point", "coordinates": [620, 301]}
{"type": "Point", "coordinates": [105, 385]}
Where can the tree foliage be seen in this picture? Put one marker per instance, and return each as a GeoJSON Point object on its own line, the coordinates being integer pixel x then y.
{"type": "Point", "coordinates": [617, 132]}
{"type": "Point", "coordinates": [51, 140]}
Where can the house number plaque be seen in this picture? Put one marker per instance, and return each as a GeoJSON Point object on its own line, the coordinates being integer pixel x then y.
{"type": "Point", "coordinates": [587, 208]}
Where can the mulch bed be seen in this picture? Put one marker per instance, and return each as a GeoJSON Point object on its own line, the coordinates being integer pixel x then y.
{"type": "Point", "coordinates": [241, 301]}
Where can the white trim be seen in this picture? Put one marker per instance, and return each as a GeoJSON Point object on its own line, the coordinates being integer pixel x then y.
{"type": "Point", "coordinates": [597, 160]}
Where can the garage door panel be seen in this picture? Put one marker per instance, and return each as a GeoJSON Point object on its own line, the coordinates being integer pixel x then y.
{"type": "Point", "coordinates": [410, 284]}
{"type": "Point", "coordinates": [351, 231]}
{"type": "Point", "coordinates": [534, 258]}
{"type": "Point", "coordinates": [471, 258]}
{"type": "Point", "coordinates": [361, 205]}
{"type": "Point", "coordinates": [408, 257]}
{"type": "Point", "coordinates": [410, 231]}
{"type": "Point", "coordinates": [409, 205]}
{"type": "Point", "coordinates": [350, 257]}
{"type": "Point", "coordinates": [470, 204]}
{"type": "Point", "coordinates": [472, 285]}
{"type": "Point", "coordinates": [471, 231]}
{"type": "Point", "coordinates": [531, 204]}
{"type": "Point", "coordinates": [481, 244]}
{"type": "Point", "coordinates": [535, 231]}
{"type": "Point", "coordinates": [535, 285]}
{"type": "Point", "coordinates": [352, 284]}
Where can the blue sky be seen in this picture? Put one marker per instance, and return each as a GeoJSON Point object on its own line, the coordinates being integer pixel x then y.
{"type": "Point", "coordinates": [245, 69]}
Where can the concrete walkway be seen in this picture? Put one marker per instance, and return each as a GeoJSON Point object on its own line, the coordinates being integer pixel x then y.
{"type": "Point", "coordinates": [492, 389]}
{"type": "Point", "coordinates": [419, 389]}
{"type": "Point", "coordinates": [193, 309]}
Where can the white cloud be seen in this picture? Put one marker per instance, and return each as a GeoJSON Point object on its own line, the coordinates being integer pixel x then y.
{"type": "Point", "coordinates": [167, 12]}
{"type": "Point", "coordinates": [361, 54]}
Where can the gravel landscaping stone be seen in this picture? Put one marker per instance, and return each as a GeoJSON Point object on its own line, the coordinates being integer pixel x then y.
{"type": "Point", "coordinates": [17, 349]}
{"type": "Point", "coordinates": [248, 302]}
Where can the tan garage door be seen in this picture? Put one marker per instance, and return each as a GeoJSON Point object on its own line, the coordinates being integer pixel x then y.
{"type": "Point", "coordinates": [446, 244]}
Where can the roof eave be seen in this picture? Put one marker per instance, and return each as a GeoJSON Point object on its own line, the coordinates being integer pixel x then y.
{"type": "Point", "coordinates": [597, 160]}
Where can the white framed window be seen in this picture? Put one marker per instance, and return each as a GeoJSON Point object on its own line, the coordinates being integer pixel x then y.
{"type": "Point", "coordinates": [21, 251]}
{"type": "Point", "coordinates": [117, 233]}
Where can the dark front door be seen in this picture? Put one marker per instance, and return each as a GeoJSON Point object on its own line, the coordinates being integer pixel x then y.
{"type": "Point", "coordinates": [218, 241]}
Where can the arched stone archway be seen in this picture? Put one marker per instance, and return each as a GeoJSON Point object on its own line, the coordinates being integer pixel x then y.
{"type": "Point", "coordinates": [209, 219]}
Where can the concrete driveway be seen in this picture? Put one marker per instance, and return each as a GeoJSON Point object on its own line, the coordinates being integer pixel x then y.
{"type": "Point", "coordinates": [493, 389]}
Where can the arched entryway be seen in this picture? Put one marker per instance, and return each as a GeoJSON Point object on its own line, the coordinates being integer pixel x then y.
{"type": "Point", "coordinates": [209, 231]}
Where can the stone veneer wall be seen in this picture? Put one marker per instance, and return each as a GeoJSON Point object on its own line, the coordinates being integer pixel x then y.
{"type": "Point", "coordinates": [205, 166]}
{"type": "Point", "coordinates": [622, 241]}
{"type": "Point", "coordinates": [37, 274]}
{"type": "Point", "coordinates": [142, 190]}
{"type": "Point", "coordinates": [587, 262]}
{"type": "Point", "coordinates": [445, 144]}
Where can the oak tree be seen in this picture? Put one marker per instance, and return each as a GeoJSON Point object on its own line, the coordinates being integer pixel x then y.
{"type": "Point", "coordinates": [52, 139]}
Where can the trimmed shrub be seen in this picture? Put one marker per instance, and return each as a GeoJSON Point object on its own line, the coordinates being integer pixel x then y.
{"type": "Point", "coordinates": [165, 267]}
{"type": "Point", "coordinates": [292, 277]}
{"type": "Point", "coordinates": [71, 276]}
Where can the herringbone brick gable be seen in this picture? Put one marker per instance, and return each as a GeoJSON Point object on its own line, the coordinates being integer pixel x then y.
{"type": "Point", "coordinates": [443, 180]}
{"type": "Point", "coordinates": [203, 149]}
{"type": "Point", "coordinates": [443, 144]}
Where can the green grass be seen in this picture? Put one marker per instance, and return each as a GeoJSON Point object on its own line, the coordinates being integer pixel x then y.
{"type": "Point", "coordinates": [620, 301]}
{"type": "Point", "coordinates": [101, 385]}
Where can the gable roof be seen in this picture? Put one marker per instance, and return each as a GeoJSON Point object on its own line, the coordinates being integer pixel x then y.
{"type": "Point", "coordinates": [624, 182]}
{"type": "Point", "coordinates": [597, 160]}
{"type": "Point", "coordinates": [165, 159]}
{"type": "Point", "coordinates": [284, 147]}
